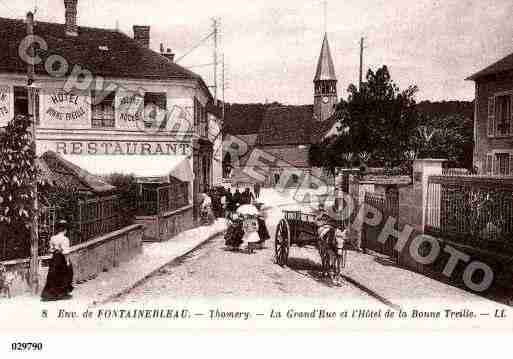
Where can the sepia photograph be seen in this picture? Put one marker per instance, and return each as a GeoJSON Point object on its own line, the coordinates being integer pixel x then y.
{"type": "Point", "coordinates": [274, 165]}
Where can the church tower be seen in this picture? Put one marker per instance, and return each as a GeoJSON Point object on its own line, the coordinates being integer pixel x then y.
{"type": "Point", "coordinates": [325, 84]}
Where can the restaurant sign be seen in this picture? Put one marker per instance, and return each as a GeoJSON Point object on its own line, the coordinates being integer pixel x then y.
{"type": "Point", "coordinates": [101, 147]}
{"type": "Point", "coordinates": [5, 105]}
{"type": "Point", "coordinates": [62, 109]}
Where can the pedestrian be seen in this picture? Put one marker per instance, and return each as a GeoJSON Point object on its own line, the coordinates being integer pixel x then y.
{"type": "Point", "coordinates": [207, 215]}
{"type": "Point", "coordinates": [247, 196]}
{"type": "Point", "coordinates": [256, 189]}
{"type": "Point", "coordinates": [237, 198]}
{"type": "Point", "coordinates": [59, 281]}
{"type": "Point", "coordinates": [227, 202]}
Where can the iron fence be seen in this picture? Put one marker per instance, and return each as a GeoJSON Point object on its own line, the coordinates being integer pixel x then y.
{"type": "Point", "coordinates": [476, 211]}
{"type": "Point", "coordinates": [154, 201]}
{"type": "Point", "coordinates": [388, 205]}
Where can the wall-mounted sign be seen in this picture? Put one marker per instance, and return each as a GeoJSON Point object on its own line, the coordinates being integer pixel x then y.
{"type": "Point", "coordinates": [5, 105]}
{"type": "Point", "coordinates": [101, 147]}
{"type": "Point", "coordinates": [62, 109]}
{"type": "Point", "coordinates": [129, 110]}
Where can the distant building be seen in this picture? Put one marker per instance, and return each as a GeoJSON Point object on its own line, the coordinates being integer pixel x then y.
{"type": "Point", "coordinates": [280, 136]}
{"type": "Point", "coordinates": [493, 119]}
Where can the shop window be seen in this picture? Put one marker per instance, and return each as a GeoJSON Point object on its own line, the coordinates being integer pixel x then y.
{"type": "Point", "coordinates": [503, 115]}
{"type": "Point", "coordinates": [158, 100]}
{"type": "Point", "coordinates": [21, 102]}
{"type": "Point", "coordinates": [102, 109]}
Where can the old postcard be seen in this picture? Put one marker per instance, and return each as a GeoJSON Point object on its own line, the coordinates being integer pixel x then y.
{"type": "Point", "coordinates": [320, 165]}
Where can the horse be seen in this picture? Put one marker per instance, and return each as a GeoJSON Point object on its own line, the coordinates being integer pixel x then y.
{"type": "Point", "coordinates": [330, 243]}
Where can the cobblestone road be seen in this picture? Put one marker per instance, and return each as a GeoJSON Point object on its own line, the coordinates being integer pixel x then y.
{"type": "Point", "coordinates": [213, 271]}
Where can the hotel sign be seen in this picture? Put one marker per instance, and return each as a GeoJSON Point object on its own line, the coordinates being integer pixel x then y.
{"type": "Point", "coordinates": [65, 110]}
{"type": "Point", "coordinates": [5, 105]}
{"type": "Point", "coordinates": [129, 114]}
{"type": "Point", "coordinates": [101, 147]}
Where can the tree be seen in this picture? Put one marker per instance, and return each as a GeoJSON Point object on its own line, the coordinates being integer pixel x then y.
{"type": "Point", "coordinates": [379, 120]}
{"type": "Point", "coordinates": [18, 172]}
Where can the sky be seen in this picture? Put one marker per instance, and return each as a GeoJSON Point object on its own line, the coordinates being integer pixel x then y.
{"type": "Point", "coordinates": [271, 47]}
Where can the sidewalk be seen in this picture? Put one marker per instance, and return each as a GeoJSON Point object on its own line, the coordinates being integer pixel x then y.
{"type": "Point", "coordinates": [121, 279]}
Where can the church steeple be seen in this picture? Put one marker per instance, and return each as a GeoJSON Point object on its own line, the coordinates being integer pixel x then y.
{"type": "Point", "coordinates": [325, 84]}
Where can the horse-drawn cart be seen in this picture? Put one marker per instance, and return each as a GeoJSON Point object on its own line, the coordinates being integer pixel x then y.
{"type": "Point", "coordinates": [302, 229]}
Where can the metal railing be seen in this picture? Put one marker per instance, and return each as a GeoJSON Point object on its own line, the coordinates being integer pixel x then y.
{"type": "Point", "coordinates": [471, 210]}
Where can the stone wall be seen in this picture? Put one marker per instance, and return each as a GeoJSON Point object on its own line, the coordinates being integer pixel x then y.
{"type": "Point", "coordinates": [167, 225]}
{"type": "Point", "coordinates": [89, 259]}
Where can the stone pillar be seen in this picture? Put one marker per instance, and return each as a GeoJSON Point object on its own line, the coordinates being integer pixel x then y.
{"type": "Point", "coordinates": [412, 206]}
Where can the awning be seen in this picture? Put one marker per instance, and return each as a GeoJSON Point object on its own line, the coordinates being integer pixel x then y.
{"type": "Point", "coordinates": [157, 167]}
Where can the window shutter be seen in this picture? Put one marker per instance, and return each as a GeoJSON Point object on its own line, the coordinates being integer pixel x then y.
{"type": "Point", "coordinates": [511, 163]}
{"type": "Point", "coordinates": [496, 165]}
{"type": "Point", "coordinates": [491, 116]}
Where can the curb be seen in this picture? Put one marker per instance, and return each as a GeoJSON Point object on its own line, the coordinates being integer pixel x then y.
{"type": "Point", "coordinates": [145, 277]}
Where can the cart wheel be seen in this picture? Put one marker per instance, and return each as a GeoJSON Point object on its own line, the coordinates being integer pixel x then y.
{"type": "Point", "coordinates": [282, 243]}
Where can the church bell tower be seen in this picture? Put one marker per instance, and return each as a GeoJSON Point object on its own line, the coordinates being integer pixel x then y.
{"type": "Point", "coordinates": [325, 84]}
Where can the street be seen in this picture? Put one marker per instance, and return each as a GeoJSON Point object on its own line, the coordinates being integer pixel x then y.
{"type": "Point", "coordinates": [213, 271]}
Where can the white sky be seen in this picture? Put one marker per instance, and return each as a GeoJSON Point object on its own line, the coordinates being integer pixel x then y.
{"type": "Point", "coordinates": [271, 47]}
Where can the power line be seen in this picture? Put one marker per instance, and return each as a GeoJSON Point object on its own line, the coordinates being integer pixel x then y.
{"type": "Point", "coordinates": [195, 47]}
{"type": "Point", "coordinates": [11, 11]}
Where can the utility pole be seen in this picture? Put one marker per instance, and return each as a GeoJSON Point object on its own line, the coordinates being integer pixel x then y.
{"type": "Point", "coordinates": [215, 22]}
{"type": "Point", "coordinates": [361, 64]}
{"type": "Point", "coordinates": [34, 235]}
{"type": "Point", "coordinates": [224, 87]}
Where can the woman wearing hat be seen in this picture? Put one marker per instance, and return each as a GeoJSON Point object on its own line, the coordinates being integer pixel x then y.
{"type": "Point", "coordinates": [60, 270]}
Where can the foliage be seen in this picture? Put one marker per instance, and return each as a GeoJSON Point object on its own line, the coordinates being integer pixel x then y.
{"type": "Point", "coordinates": [449, 137]}
{"type": "Point", "coordinates": [127, 189]}
{"type": "Point", "coordinates": [18, 172]}
{"type": "Point", "coordinates": [378, 120]}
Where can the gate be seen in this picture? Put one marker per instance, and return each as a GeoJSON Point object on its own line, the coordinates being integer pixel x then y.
{"type": "Point", "coordinates": [388, 205]}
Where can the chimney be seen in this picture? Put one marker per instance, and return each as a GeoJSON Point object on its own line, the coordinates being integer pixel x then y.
{"type": "Point", "coordinates": [168, 54]}
{"type": "Point", "coordinates": [142, 35]}
{"type": "Point", "coordinates": [71, 27]}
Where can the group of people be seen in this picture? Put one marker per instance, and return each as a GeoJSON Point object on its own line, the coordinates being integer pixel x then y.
{"type": "Point", "coordinates": [221, 202]}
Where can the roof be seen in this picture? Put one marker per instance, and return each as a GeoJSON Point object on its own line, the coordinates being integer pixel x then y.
{"type": "Point", "coordinates": [146, 167]}
{"type": "Point", "coordinates": [124, 57]}
{"type": "Point", "coordinates": [296, 156]}
{"type": "Point", "coordinates": [504, 64]}
{"type": "Point", "coordinates": [325, 68]}
{"type": "Point", "coordinates": [65, 175]}
{"type": "Point", "coordinates": [243, 119]}
{"type": "Point", "coordinates": [286, 125]}
{"type": "Point", "coordinates": [322, 129]}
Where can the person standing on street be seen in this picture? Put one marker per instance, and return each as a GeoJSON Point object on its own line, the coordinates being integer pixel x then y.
{"type": "Point", "coordinates": [59, 282]}
{"type": "Point", "coordinates": [256, 189]}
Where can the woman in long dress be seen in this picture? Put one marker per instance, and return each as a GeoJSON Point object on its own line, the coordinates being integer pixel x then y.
{"type": "Point", "coordinates": [59, 282]}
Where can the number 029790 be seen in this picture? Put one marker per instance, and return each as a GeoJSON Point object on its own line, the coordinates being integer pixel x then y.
{"type": "Point", "coordinates": [26, 347]}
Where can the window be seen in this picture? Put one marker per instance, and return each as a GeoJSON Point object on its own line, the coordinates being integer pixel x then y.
{"type": "Point", "coordinates": [491, 116]}
{"type": "Point", "coordinates": [102, 109]}
{"type": "Point", "coordinates": [503, 165]}
{"type": "Point", "coordinates": [21, 102]}
{"type": "Point", "coordinates": [489, 164]}
{"type": "Point", "coordinates": [200, 118]}
{"type": "Point", "coordinates": [503, 115]}
{"type": "Point", "coordinates": [158, 99]}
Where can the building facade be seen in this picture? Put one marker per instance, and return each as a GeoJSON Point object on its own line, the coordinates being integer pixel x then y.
{"type": "Point", "coordinates": [493, 119]}
{"type": "Point", "coordinates": [101, 94]}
